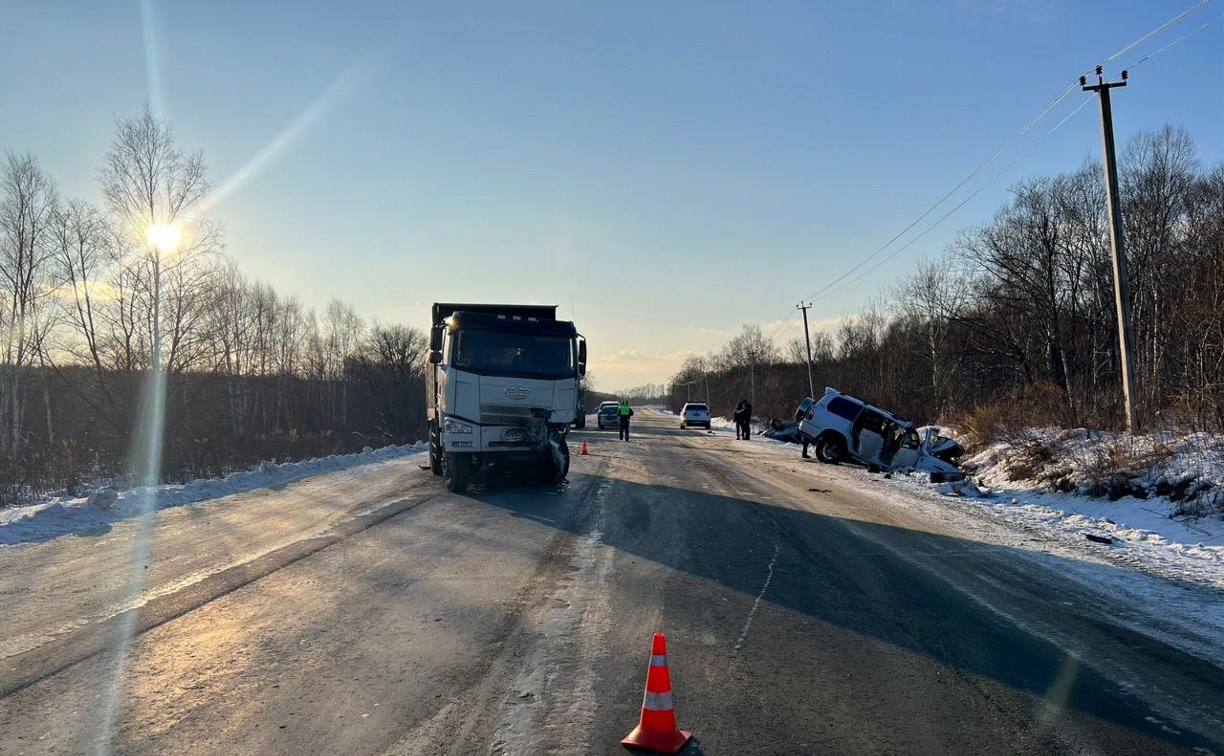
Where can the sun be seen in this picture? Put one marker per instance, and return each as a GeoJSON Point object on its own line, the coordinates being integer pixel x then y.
{"type": "Point", "coordinates": [164, 237]}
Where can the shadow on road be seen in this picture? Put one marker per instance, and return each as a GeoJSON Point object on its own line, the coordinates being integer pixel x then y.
{"type": "Point", "coordinates": [876, 580]}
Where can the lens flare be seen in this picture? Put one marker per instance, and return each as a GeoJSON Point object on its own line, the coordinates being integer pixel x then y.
{"type": "Point", "coordinates": [164, 237]}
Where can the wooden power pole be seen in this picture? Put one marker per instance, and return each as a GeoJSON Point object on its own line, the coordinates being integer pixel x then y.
{"type": "Point", "coordinates": [752, 353]}
{"type": "Point", "coordinates": [1121, 285]}
{"type": "Point", "coordinates": [808, 340]}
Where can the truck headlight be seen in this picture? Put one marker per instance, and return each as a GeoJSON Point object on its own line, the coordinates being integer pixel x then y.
{"type": "Point", "coordinates": [450, 425]}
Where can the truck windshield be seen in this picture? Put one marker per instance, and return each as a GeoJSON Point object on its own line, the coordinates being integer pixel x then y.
{"type": "Point", "coordinates": [517, 354]}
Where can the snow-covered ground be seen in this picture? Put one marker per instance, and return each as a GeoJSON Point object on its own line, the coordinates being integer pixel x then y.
{"type": "Point", "coordinates": [65, 515]}
{"type": "Point", "coordinates": [1064, 492]}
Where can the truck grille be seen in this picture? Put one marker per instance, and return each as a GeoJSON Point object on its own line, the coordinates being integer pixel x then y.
{"type": "Point", "coordinates": [505, 414]}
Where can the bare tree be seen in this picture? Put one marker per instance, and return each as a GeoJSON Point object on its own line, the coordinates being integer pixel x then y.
{"type": "Point", "coordinates": [389, 366]}
{"type": "Point", "coordinates": [28, 202]}
{"type": "Point", "coordinates": [935, 297]}
{"type": "Point", "coordinates": [342, 332]}
{"type": "Point", "coordinates": [749, 346]}
{"type": "Point", "coordinates": [81, 237]}
{"type": "Point", "coordinates": [1159, 170]}
{"type": "Point", "coordinates": [147, 182]}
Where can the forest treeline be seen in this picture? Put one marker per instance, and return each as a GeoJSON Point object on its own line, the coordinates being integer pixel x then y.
{"type": "Point", "coordinates": [250, 374]}
{"type": "Point", "coordinates": [1015, 324]}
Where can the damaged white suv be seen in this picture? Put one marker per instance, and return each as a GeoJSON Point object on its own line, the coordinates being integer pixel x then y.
{"type": "Point", "coordinates": [842, 427]}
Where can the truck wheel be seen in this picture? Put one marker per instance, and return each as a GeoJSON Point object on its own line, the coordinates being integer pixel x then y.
{"type": "Point", "coordinates": [456, 469]}
{"type": "Point", "coordinates": [560, 474]}
{"type": "Point", "coordinates": [829, 450]}
{"type": "Point", "coordinates": [435, 450]}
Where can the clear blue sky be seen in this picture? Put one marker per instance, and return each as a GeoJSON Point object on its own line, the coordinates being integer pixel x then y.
{"type": "Point", "coordinates": [672, 169]}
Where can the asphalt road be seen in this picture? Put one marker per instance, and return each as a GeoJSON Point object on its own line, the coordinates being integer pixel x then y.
{"type": "Point", "coordinates": [803, 615]}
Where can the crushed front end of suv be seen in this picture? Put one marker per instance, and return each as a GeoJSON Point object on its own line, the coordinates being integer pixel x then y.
{"type": "Point", "coordinates": [843, 427]}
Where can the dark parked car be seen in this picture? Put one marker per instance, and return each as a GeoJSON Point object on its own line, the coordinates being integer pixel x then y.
{"type": "Point", "coordinates": [606, 416]}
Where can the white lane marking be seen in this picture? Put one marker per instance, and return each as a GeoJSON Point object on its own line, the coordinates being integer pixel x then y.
{"type": "Point", "coordinates": [752, 612]}
{"type": "Point", "coordinates": [371, 509]}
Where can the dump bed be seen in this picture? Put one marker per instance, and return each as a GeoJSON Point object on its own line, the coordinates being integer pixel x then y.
{"type": "Point", "coordinates": [443, 310]}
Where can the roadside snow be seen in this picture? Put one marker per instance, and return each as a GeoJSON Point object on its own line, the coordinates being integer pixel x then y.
{"type": "Point", "coordinates": [1141, 533]}
{"type": "Point", "coordinates": [1058, 483]}
{"type": "Point", "coordinates": [1187, 468]}
{"type": "Point", "coordinates": [50, 519]}
{"type": "Point", "coordinates": [1158, 498]}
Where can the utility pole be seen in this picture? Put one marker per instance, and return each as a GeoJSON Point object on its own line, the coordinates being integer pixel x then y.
{"type": "Point", "coordinates": [1121, 285]}
{"type": "Point", "coordinates": [808, 340]}
{"type": "Point", "coordinates": [752, 353]}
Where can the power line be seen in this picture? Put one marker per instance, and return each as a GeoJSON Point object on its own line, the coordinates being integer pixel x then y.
{"type": "Point", "coordinates": [1171, 22]}
{"type": "Point", "coordinates": [1018, 135]}
{"type": "Point", "coordinates": [1179, 40]}
{"type": "Point", "coordinates": [961, 204]}
{"type": "Point", "coordinates": [833, 286]}
{"type": "Point", "coordinates": [783, 327]}
{"type": "Point", "coordinates": [1026, 153]}
{"type": "Point", "coordinates": [1015, 137]}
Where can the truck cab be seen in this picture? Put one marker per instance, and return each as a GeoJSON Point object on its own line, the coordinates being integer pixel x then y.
{"type": "Point", "coordinates": [502, 387]}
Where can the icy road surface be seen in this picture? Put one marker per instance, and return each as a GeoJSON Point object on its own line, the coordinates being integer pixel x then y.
{"type": "Point", "coordinates": [808, 609]}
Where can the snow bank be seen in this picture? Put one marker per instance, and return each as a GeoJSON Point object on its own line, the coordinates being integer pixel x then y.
{"type": "Point", "coordinates": [1157, 500]}
{"type": "Point", "coordinates": [1183, 474]}
{"type": "Point", "coordinates": [1165, 517]}
{"type": "Point", "coordinates": [40, 522]}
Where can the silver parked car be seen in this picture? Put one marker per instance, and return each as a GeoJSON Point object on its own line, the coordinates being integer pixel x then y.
{"type": "Point", "coordinates": [695, 413]}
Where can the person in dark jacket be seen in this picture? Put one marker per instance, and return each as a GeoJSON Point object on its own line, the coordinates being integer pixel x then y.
{"type": "Point", "coordinates": [624, 412]}
{"type": "Point", "coordinates": [743, 420]}
{"type": "Point", "coordinates": [803, 439]}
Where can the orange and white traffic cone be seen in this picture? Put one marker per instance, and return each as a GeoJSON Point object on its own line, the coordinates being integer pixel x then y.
{"type": "Point", "coordinates": [584, 451]}
{"type": "Point", "coordinates": [656, 730]}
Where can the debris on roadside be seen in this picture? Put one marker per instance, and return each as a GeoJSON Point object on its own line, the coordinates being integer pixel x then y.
{"type": "Point", "coordinates": [962, 487]}
{"type": "Point", "coordinates": [779, 430]}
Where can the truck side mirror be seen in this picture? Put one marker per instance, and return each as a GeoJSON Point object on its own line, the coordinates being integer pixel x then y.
{"type": "Point", "coordinates": [582, 357]}
{"type": "Point", "coordinates": [435, 341]}
{"type": "Point", "coordinates": [434, 357]}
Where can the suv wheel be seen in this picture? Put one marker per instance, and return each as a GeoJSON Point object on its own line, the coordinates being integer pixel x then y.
{"type": "Point", "coordinates": [829, 449]}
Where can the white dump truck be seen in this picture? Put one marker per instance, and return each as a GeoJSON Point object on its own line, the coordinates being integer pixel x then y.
{"type": "Point", "coordinates": [502, 389]}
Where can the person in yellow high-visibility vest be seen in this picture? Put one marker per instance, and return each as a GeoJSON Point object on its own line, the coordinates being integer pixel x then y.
{"type": "Point", "coordinates": [624, 412]}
